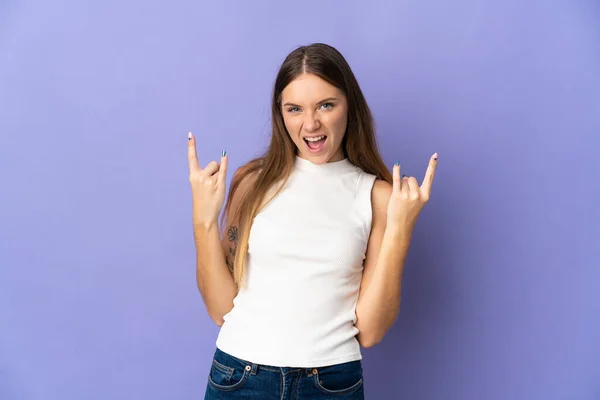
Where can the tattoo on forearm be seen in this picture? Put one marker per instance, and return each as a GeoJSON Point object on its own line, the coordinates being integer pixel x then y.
{"type": "Point", "coordinates": [232, 235]}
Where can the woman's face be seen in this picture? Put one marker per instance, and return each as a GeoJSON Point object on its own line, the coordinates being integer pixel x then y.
{"type": "Point", "coordinates": [314, 109]}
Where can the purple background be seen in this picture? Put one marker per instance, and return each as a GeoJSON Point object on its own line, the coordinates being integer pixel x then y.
{"type": "Point", "coordinates": [98, 299]}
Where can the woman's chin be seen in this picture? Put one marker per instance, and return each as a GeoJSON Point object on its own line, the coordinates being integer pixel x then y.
{"type": "Point", "coordinates": [316, 158]}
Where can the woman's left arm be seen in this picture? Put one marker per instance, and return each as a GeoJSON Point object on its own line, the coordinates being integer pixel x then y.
{"type": "Point", "coordinates": [395, 211]}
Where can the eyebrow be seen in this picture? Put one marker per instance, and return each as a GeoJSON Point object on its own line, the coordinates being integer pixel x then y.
{"type": "Point", "coordinates": [320, 102]}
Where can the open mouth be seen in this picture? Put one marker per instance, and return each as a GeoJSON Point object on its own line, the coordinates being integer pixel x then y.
{"type": "Point", "coordinates": [315, 143]}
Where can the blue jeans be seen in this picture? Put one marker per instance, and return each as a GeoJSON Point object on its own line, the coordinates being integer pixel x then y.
{"type": "Point", "coordinates": [232, 378]}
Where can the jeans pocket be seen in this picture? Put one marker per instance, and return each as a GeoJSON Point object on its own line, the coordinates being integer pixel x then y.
{"type": "Point", "coordinates": [227, 373]}
{"type": "Point", "coordinates": [340, 379]}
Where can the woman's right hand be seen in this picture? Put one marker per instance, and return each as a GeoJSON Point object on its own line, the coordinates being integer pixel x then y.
{"type": "Point", "coordinates": [208, 186]}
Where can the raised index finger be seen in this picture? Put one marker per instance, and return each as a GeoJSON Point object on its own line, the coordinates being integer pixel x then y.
{"type": "Point", "coordinates": [192, 156]}
{"type": "Point", "coordinates": [430, 174]}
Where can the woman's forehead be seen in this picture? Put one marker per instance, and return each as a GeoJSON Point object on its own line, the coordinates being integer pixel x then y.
{"type": "Point", "coordinates": [309, 88]}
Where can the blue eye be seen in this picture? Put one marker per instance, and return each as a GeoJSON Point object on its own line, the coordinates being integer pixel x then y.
{"type": "Point", "coordinates": [293, 109]}
{"type": "Point", "coordinates": [327, 104]}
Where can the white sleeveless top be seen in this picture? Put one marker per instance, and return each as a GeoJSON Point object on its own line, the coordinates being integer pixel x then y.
{"type": "Point", "coordinates": [303, 272]}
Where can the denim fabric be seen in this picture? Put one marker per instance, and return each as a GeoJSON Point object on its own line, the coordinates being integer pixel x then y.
{"type": "Point", "coordinates": [232, 378]}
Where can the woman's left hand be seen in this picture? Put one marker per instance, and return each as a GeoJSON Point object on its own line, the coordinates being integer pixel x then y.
{"type": "Point", "coordinates": [408, 198]}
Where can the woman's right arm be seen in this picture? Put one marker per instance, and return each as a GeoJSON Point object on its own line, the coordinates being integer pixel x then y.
{"type": "Point", "coordinates": [215, 257]}
{"type": "Point", "coordinates": [214, 277]}
{"type": "Point", "coordinates": [215, 282]}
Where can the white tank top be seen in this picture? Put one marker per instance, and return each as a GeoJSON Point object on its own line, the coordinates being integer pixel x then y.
{"type": "Point", "coordinates": [304, 267]}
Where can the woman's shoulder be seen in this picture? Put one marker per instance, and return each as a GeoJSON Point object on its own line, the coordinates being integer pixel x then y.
{"type": "Point", "coordinates": [380, 189]}
{"type": "Point", "coordinates": [380, 194]}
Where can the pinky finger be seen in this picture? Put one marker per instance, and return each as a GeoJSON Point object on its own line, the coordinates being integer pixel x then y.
{"type": "Point", "coordinates": [396, 182]}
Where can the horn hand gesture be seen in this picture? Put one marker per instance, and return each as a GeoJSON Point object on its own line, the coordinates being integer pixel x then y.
{"type": "Point", "coordinates": [408, 198]}
{"type": "Point", "coordinates": [208, 186]}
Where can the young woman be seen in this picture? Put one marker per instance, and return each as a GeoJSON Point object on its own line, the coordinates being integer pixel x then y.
{"type": "Point", "coordinates": [307, 264]}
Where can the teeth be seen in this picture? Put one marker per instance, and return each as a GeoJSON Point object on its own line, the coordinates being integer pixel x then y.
{"type": "Point", "coordinates": [315, 139]}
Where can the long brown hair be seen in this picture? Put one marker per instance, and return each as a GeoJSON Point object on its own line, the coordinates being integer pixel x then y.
{"type": "Point", "coordinates": [275, 165]}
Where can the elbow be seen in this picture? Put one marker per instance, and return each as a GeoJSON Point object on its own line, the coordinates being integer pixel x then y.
{"type": "Point", "coordinates": [369, 340]}
{"type": "Point", "coordinates": [371, 333]}
{"type": "Point", "coordinates": [217, 319]}
{"type": "Point", "coordinates": [217, 312]}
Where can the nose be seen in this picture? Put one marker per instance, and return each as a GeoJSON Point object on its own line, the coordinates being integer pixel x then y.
{"type": "Point", "coordinates": [312, 123]}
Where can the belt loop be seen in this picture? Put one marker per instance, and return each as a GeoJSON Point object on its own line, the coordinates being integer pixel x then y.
{"type": "Point", "coordinates": [254, 369]}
